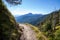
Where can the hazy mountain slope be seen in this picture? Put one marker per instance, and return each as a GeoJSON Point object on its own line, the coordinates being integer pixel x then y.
{"type": "Point", "coordinates": [51, 25]}
{"type": "Point", "coordinates": [38, 20]}
{"type": "Point", "coordinates": [8, 24]}
{"type": "Point", "coordinates": [28, 18]}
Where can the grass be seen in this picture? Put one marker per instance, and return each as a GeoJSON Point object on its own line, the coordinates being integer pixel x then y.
{"type": "Point", "coordinates": [57, 27]}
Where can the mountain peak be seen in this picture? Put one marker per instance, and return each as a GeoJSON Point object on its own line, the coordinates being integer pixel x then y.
{"type": "Point", "coordinates": [29, 14]}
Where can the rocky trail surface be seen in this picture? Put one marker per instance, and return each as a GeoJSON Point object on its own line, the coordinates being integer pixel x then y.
{"type": "Point", "coordinates": [27, 33]}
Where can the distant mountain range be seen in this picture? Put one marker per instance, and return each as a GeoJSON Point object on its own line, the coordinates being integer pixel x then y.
{"type": "Point", "coordinates": [30, 18]}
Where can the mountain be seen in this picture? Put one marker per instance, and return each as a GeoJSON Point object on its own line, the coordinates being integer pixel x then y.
{"type": "Point", "coordinates": [29, 18]}
{"type": "Point", "coordinates": [50, 26]}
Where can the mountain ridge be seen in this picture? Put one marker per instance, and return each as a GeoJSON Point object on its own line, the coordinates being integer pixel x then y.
{"type": "Point", "coordinates": [28, 18]}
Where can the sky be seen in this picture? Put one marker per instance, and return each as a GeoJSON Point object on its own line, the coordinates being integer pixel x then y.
{"type": "Point", "coordinates": [34, 6]}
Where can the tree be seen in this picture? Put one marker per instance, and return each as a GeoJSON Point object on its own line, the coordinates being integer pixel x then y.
{"type": "Point", "coordinates": [14, 2]}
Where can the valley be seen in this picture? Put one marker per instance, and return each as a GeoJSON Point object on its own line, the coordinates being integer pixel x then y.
{"type": "Point", "coordinates": [49, 25]}
{"type": "Point", "coordinates": [29, 26]}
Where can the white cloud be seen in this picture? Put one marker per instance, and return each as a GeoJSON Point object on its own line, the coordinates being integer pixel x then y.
{"type": "Point", "coordinates": [18, 12]}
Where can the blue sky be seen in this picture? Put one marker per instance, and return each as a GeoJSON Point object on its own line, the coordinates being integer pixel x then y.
{"type": "Point", "coordinates": [34, 6]}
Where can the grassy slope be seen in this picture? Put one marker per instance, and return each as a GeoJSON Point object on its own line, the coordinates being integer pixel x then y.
{"type": "Point", "coordinates": [51, 26]}
{"type": "Point", "coordinates": [39, 34]}
{"type": "Point", "coordinates": [7, 24]}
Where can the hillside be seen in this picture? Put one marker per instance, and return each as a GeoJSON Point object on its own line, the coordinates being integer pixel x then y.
{"type": "Point", "coordinates": [51, 25]}
{"type": "Point", "coordinates": [8, 25]}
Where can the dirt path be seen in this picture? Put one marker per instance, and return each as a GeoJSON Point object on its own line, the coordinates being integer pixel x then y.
{"type": "Point", "coordinates": [28, 33]}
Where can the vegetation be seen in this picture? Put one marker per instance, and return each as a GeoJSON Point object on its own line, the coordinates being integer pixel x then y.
{"type": "Point", "coordinates": [50, 26]}
{"type": "Point", "coordinates": [57, 35]}
{"type": "Point", "coordinates": [14, 2]}
{"type": "Point", "coordinates": [7, 24]}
